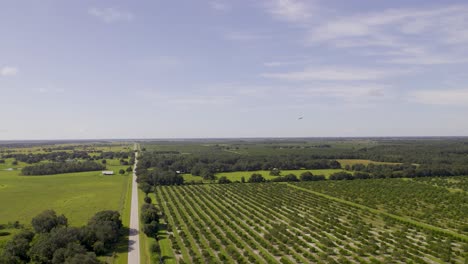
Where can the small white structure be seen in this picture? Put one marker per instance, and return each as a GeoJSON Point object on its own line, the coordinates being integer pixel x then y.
{"type": "Point", "coordinates": [107, 172]}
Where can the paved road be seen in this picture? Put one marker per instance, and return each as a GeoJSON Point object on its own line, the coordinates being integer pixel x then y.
{"type": "Point", "coordinates": [134, 237]}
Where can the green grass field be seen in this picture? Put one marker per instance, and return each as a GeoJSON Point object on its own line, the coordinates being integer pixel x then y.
{"type": "Point", "coordinates": [76, 195]}
{"type": "Point", "coordinates": [351, 162]}
{"type": "Point", "coordinates": [237, 175]}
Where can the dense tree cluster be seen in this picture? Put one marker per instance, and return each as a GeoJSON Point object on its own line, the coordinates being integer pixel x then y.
{"type": "Point", "coordinates": [223, 180]}
{"type": "Point", "coordinates": [47, 220]}
{"type": "Point", "coordinates": [308, 176]}
{"type": "Point", "coordinates": [158, 177]}
{"type": "Point", "coordinates": [287, 178]}
{"type": "Point", "coordinates": [53, 242]}
{"type": "Point", "coordinates": [378, 171]}
{"type": "Point", "coordinates": [61, 167]}
{"type": "Point", "coordinates": [112, 155]}
{"type": "Point", "coordinates": [150, 218]}
{"type": "Point", "coordinates": [256, 177]}
{"type": "Point", "coordinates": [197, 164]}
{"type": "Point", "coordinates": [60, 156]}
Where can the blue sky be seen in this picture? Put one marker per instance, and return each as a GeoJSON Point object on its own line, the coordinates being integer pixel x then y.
{"type": "Point", "coordinates": [171, 69]}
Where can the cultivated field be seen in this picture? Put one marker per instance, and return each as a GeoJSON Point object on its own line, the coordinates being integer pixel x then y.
{"type": "Point", "coordinates": [279, 223]}
{"type": "Point", "coordinates": [426, 203]}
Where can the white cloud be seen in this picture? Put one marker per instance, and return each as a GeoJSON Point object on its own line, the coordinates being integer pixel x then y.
{"type": "Point", "coordinates": [8, 71]}
{"type": "Point", "coordinates": [220, 6]}
{"type": "Point", "coordinates": [289, 10]}
{"type": "Point", "coordinates": [452, 97]}
{"type": "Point", "coordinates": [110, 14]}
{"type": "Point", "coordinates": [332, 74]}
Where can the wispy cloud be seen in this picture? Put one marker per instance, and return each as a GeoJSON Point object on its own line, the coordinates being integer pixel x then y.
{"type": "Point", "coordinates": [438, 33]}
{"type": "Point", "coordinates": [159, 63]}
{"type": "Point", "coordinates": [109, 15]}
{"type": "Point", "coordinates": [449, 97]}
{"type": "Point", "coordinates": [273, 64]}
{"type": "Point", "coordinates": [428, 59]}
{"type": "Point", "coordinates": [49, 90]}
{"type": "Point", "coordinates": [8, 71]}
{"type": "Point", "coordinates": [290, 10]}
{"type": "Point", "coordinates": [244, 36]}
{"type": "Point", "coordinates": [220, 5]}
{"type": "Point", "coordinates": [332, 74]}
{"type": "Point", "coordinates": [186, 100]}
{"type": "Point", "coordinates": [407, 21]}
{"type": "Point", "coordinates": [348, 92]}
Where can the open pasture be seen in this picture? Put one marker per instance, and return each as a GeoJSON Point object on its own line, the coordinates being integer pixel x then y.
{"type": "Point", "coordinates": [77, 195]}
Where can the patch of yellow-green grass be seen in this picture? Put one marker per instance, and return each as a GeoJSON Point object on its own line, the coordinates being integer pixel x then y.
{"type": "Point", "coordinates": [352, 162]}
{"type": "Point", "coordinates": [9, 165]}
{"type": "Point", "coordinates": [166, 247]}
{"type": "Point", "coordinates": [189, 178]}
{"type": "Point", "coordinates": [5, 235]}
{"type": "Point", "coordinates": [237, 175]}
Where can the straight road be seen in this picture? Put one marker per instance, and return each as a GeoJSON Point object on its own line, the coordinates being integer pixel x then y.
{"type": "Point", "coordinates": [134, 236]}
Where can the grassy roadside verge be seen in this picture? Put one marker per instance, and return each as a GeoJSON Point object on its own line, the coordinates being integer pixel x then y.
{"type": "Point", "coordinates": [375, 211]}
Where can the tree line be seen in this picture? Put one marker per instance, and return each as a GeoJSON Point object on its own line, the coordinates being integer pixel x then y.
{"type": "Point", "coordinates": [62, 156]}
{"type": "Point", "coordinates": [61, 167]}
{"type": "Point", "coordinates": [379, 171]}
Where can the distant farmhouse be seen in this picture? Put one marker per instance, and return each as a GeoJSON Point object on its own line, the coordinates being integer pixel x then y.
{"type": "Point", "coordinates": [107, 172]}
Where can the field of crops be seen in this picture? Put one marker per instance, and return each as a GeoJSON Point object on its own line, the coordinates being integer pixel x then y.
{"type": "Point", "coordinates": [279, 223]}
{"type": "Point", "coordinates": [422, 202]}
{"type": "Point", "coordinates": [450, 183]}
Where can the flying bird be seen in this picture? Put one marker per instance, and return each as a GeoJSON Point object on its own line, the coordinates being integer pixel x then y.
{"type": "Point", "coordinates": [300, 118]}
